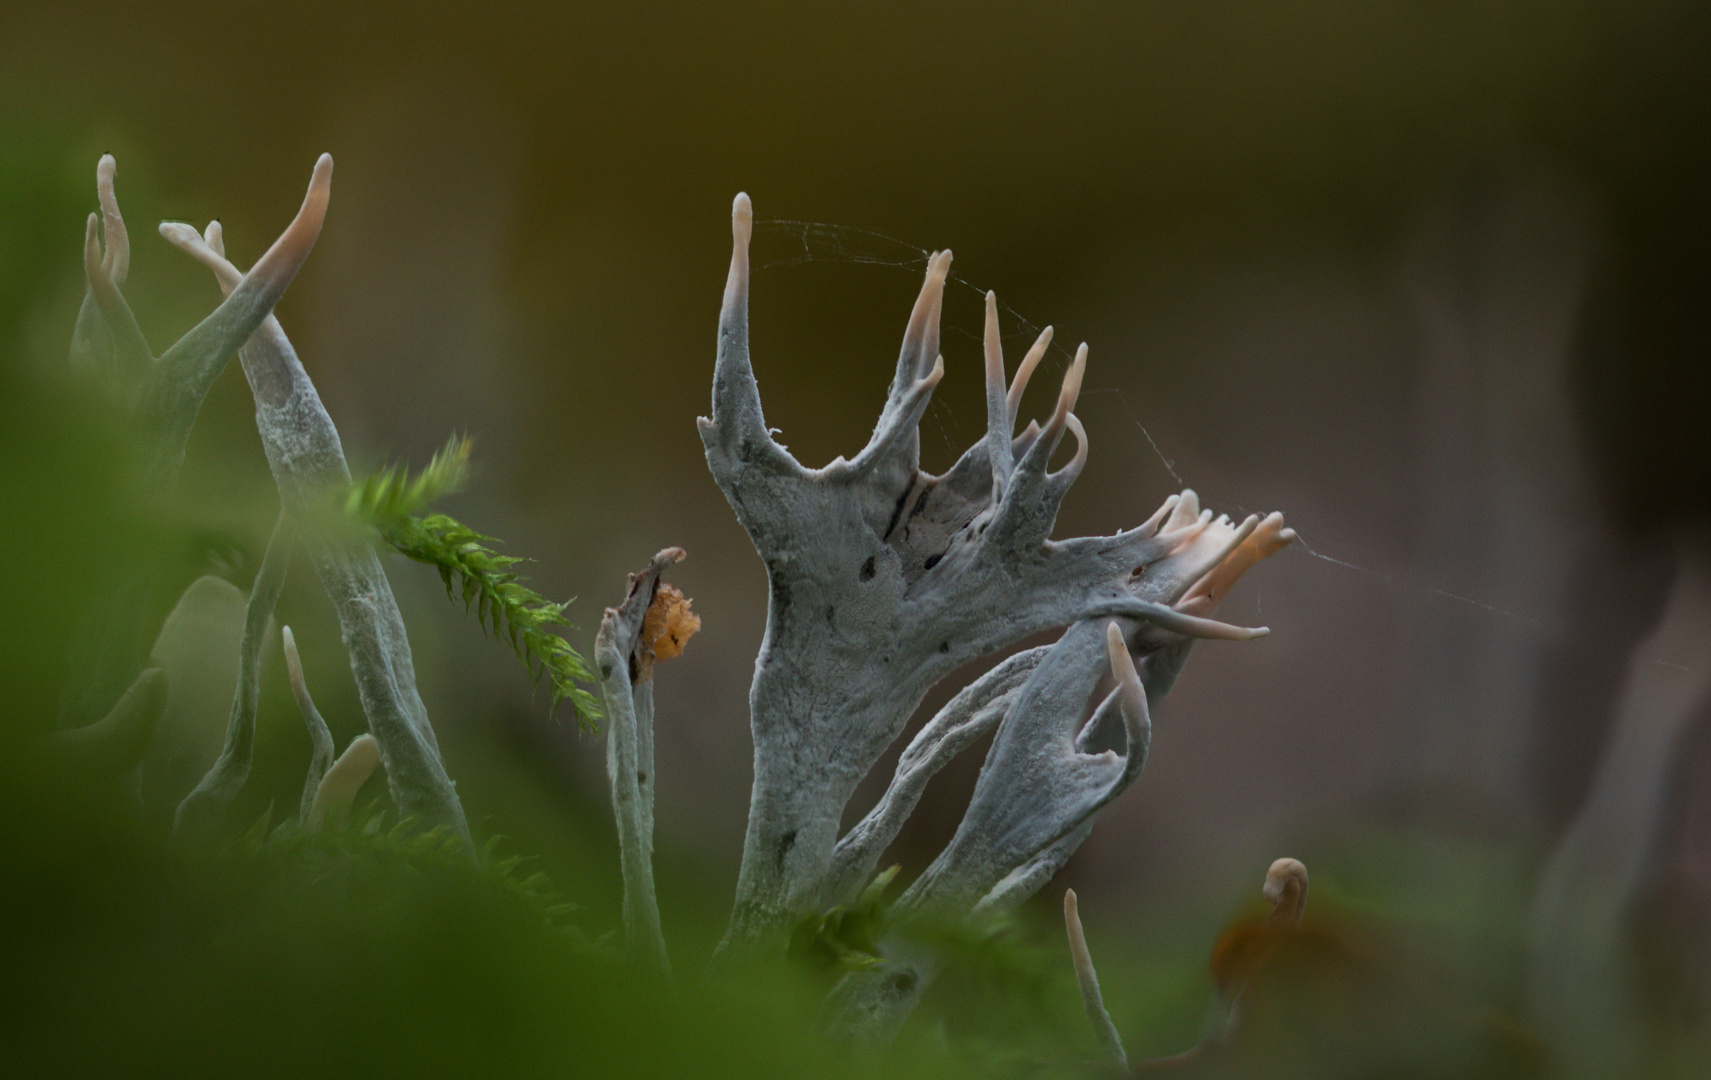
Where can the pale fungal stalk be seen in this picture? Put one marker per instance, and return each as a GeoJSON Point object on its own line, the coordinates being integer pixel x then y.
{"type": "Point", "coordinates": [651, 624]}
{"type": "Point", "coordinates": [884, 579]}
{"type": "Point", "coordinates": [203, 808]}
{"type": "Point", "coordinates": [1088, 981]}
{"type": "Point", "coordinates": [337, 790]}
{"type": "Point", "coordinates": [165, 394]}
{"type": "Point", "coordinates": [320, 738]}
{"type": "Point", "coordinates": [308, 462]}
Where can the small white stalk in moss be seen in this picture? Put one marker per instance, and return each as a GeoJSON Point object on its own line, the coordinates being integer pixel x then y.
{"type": "Point", "coordinates": [338, 788]}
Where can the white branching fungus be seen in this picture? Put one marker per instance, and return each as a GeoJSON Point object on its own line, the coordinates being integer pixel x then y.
{"type": "Point", "coordinates": [308, 461]}
{"type": "Point", "coordinates": [885, 579]}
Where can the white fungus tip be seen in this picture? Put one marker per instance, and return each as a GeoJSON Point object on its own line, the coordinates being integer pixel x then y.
{"type": "Point", "coordinates": [742, 217]}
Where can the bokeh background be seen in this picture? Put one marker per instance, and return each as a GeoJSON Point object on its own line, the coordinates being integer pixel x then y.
{"type": "Point", "coordinates": [1429, 278]}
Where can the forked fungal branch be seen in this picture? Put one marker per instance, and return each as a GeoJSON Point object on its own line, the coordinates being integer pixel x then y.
{"type": "Point", "coordinates": [307, 460]}
{"type": "Point", "coordinates": [884, 579]}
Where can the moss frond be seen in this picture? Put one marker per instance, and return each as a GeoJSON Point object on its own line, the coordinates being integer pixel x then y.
{"type": "Point", "coordinates": [390, 501]}
{"type": "Point", "coordinates": [391, 850]}
{"type": "Point", "coordinates": [393, 493]}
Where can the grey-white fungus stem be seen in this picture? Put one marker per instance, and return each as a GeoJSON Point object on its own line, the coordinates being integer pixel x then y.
{"type": "Point", "coordinates": [1088, 980]}
{"type": "Point", "coordinates": [308, 462]}
{"type": "Point", "coordinates": [1037, 785]}
{"type": "Point", "coordinates": [1033, 805]}
{"type": "Point", "coordinates": [338, 789]}
{"type": "Point", "coordinates": [165, 395]}
{"type": "Point", "coordinates": [965, 719]}
{"type": "Point", "coordinates": [206, 804]}
{"type": "Point", "coordinates": [884, 579]}
{"type": "Point", "coordinates": [626, 679]}
{"type": "Point", "coordinates": [320, 737]}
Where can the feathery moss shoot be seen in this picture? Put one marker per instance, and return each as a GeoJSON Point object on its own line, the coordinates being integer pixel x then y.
{"type": "Point", "coordinates": [390, 501]}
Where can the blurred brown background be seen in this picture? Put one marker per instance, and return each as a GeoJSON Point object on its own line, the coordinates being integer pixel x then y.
{"type": "Point", "coordinates": [1422, 276]}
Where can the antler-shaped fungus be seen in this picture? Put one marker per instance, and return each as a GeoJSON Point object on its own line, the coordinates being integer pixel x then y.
{"type": "Point", "coordinates": [173, 386]}
{"type": "Point", "coordinates": [884, 579]}
{"type": "Point", "coordinates": [308, 461]}
{"type": "Point", "coordinates": [1033, 805]}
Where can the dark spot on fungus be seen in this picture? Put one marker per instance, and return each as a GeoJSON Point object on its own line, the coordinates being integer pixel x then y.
{"type": "Point", "coordinates": [903, 982]}
{"type": "Point", "coordinates": [896, 512]}
{"type": "Point", "coordinates": [944, 646]}
{"type": "Point", "coordinates": [605, 671]}
{"type": "Point", "coordinates": [867, 569]}
{"type": "Point", "coordinates": [932, 561]}
{"type": "Point", "coordinates": [785, 843]}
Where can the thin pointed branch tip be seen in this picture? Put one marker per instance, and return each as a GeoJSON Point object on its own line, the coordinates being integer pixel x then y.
{"type": "Point", "coordinates": [742, 218]}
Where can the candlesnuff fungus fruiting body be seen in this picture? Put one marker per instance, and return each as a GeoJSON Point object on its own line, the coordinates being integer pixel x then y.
{"type": "Point", "coordinates": [884, 579]}
{"type": "Point", "coordinates": [337, 790]}
{"type": "Point", "coordinates": [164, 394]}
{"type": "Point", "coordinates": [308, 463]}
{"type": "Point", "coordinates": [653, 623]}
{"type": "Point", "coordinates": [1088, 981]}
{"type": "Point", "coordinates": [303, 449]}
